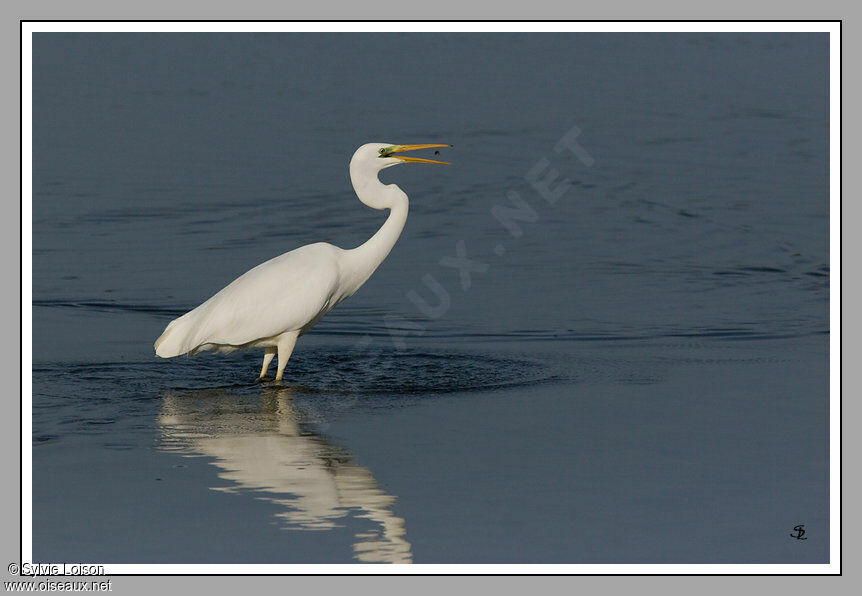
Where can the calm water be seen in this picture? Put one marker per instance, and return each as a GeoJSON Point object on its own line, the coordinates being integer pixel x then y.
{"type": "Point", "coordinates": [634, 371]}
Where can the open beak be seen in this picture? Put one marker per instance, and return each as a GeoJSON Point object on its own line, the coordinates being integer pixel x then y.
{"type": "Point", "coordinates": [401, 148]}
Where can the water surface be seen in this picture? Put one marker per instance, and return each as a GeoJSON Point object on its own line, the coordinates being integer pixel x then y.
{"type": "Point", "coordinates": [632, 372]}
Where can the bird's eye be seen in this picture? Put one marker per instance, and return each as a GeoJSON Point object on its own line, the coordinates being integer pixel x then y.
{"type": "Point", "coordinates": [382, 150]}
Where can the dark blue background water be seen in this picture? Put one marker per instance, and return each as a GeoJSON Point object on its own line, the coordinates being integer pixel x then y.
{"type": "Point", "coordinates": [639, 374]}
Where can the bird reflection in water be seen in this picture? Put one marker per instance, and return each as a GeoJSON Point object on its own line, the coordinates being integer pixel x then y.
{"type": "Point", "coordinates": [261, 445]}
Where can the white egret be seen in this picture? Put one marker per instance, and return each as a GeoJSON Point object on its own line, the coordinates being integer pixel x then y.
{"type": "Point", "coordinates": [271, 305]}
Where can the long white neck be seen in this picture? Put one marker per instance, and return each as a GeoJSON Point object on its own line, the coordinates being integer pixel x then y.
{"type": "Point", "coordinates": [363, 260]}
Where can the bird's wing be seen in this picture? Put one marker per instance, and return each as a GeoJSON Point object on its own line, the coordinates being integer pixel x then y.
{"type": "Point", "coordinates": [282, 294]}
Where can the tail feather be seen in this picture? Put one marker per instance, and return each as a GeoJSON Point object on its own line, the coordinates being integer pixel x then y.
{"type": "Point", "coordinates": [172, 342]}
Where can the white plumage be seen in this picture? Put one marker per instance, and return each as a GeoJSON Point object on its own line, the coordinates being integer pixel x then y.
{"type": "Point", "coordinates": [242, 315]}
{"type": "Point", "coordinates": [273, 304]}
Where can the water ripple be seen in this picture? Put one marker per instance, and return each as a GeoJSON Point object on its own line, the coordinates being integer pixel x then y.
{"type": "Point", "coordinates": [372, 323]}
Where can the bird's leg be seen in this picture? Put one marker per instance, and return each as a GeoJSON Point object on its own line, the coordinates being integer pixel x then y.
{"type": "Point", "coordinates": [286, 342]}
{"type": "Point", "coordinates": [268, 355]}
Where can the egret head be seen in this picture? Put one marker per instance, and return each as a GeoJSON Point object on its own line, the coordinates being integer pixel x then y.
{"type": "Point", "coordinates": [374, 157]}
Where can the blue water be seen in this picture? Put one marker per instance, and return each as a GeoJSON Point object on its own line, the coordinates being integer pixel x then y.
{"type": "Point", "coordinates": [633, 370]}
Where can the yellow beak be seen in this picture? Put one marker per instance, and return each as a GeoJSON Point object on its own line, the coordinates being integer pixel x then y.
{"type": "Point", "coordinates": [401, 148]}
